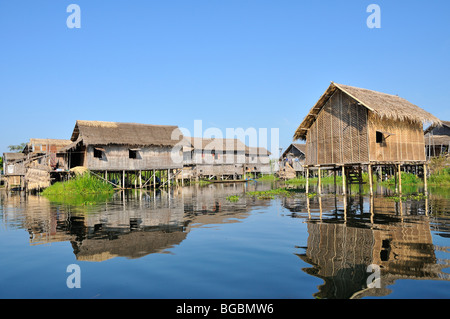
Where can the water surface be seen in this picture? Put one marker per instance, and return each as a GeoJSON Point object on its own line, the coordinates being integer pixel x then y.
{"type": "Point", "coordinates": [192, 242]}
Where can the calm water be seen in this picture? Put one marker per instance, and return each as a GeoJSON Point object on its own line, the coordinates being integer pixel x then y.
{"type": "Point", "coordinates": [192, 242]}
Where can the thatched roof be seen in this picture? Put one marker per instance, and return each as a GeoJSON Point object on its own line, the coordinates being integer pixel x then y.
{"type": "Point", "coordinates": [13, 156]}
{"type": "Point", "coordinates": [57, 143]}
{"type": "Point", "coordinates": [133, 134]}
{"type": "Point", "coordinates": [300, 147]}
{"type": "Point", "coordinates": [384, 105]}
{"type": "Point", "coordinates": [437, 140]}
{"type": "Point", "coordinates": [216, 144]}
{"type": "Point", "coordinates": [49, 141]}
{"type": "Point", "coordinates": [257, 151]}
{"type": "Point", "coordinates": [431, 128]}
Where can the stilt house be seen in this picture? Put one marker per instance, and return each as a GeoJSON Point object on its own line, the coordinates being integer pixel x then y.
{"type": "Point", "coordinates": [437, 140]}
{"type": "Point", "coordinates": [108, 147]}
{"type": "Point", "coordinates": [257, 160]}
{"type": "Point", "coordinates": [219, 158]}
{"type": "Point", "coordinates": [351, 126]}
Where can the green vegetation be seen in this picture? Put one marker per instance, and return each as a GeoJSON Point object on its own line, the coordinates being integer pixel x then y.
{"type": "Point", "coordinates": [267, 178]}
{"type": "Point", "coordinates": [324, 180]}
{"type": "Point", "coordinates": [84, 200]}
{"type": "Point", "coordinates": [407, 179]}
{"type": "Point", "coordinates": [83, 190]}
{"type": "Point", "coordinates": [80, 185]}
{"type": "Point", "coordinates": [201, 182]}
{"type": "Point", "coordinates": [233, 198]}
{"type": "Point", "coordinates": [440, 177]}
{"type": "Point", "coordinates": [417, 197]}
{"type": "Point", "coordinates": [17, 148]}
{"type": "Point", "coordinates": [270, 194]}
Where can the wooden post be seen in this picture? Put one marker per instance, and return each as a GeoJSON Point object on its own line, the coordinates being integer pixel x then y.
{"type": "Point", "coordinates": [319, 187]}
{"type": "Point", "coordinates": [396, 181]}
{"type": "Point", "coordinates": [168, 178]}
{"type": "Point", "coordinates": [425, 181]}
{"type": "Point", "coordinates": [140, 179]}
{"type": "Point", "coordinates": [343, 181]}
{"type": "Point", "coordinates": [182, 178]}
{"type": "Point", "coordinates": [123, 179]}
{"type": "Point", "coordinates": [307, 180]}
{"type": "Point", "coordinates": [399, 178]}
{"type": "Point", "coordinates": [369, 171]}
{"type": "Point", "coordinates": [334, 175]}
{"type": "Point", "coordinates": [154, 179]}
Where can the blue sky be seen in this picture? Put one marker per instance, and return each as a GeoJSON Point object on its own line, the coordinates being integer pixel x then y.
{"type": "Point", "coordinates": [229, 63]}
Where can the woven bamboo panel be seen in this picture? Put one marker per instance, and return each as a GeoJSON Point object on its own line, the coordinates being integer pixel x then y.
{"type": "Point", "coordinates": [346, 131]}
{"type": "Point", "coordinates": [335, 130]}
{"type": "Point", "coordinates": [327, 122]}
{"type": "Point", "coordinates": [364, 146]}
{"type": "Point", "coordinates": [319, 133]}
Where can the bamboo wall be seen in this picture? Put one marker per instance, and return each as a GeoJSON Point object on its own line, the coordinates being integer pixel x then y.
{"type": "Point", "coordinates": [339, 134]}
{"type": "Point", "coordinates": [407, 144]}
{"type": "Point", "coordinates": [117, 158]}
{"type": "Point", "coordinates": [219, 157]}
{"type": "Point", "coordinates": [345, 133]}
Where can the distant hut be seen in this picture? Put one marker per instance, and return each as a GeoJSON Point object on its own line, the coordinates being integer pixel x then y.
{"type": "Point", "coordinates": [47, 152]}
{"type": "Point", "coordinates": [350, 127]}
{"type": "Point", "coordinates": [213, 158]}
{"type": "Point", "coordinates": [437, 140]}
{"type": "Point", "coordinates": [13, 170]}
{"type": "Point", "coordinates": [257, 161]}
{"type": "Point", "coordinates": [121, 152]}
{"type": "Point", "coordinates": [292, 160]}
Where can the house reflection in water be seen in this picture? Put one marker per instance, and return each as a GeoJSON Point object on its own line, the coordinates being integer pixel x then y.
{"type": "Point", "coordinates": [132, 224]}
{"type": "Point", "coordinates": [345, 237]}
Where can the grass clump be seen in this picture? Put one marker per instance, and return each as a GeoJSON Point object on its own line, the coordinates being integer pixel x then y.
{"type": "Point", "coordinates": [267, 178]}
{"type": "Point", "coordinates": [407, 179]}
{"type": "Point", "coordinates": [270, 194]}
{"type": "Point", "coordinates": [233, 198]}
{"type": "Point", "coordinates": [440, 177]}
{"type": "Point", "coordinates": [80, 185]}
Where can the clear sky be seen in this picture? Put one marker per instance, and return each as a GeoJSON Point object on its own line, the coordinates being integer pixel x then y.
{"type": "Point", "coordinates": [229, 63]}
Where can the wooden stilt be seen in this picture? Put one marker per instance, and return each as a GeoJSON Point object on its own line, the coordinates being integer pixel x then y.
{"type": "Point", "coordinates": [154, 179]}
{"type": "Point", "coordinates": [140, 179]}
{"type": "Point", "coordinates": [396, 181]}
{"type": "Point", "coordinates": [123, 179]}
{"type": "Point", "coordinates": [344, 190]}
{"type": "Point", "coordinates": [399, 178]}
{"type": "Point", "coordinates": [369, 171]}
{"type": "Point", "coordinates": [307, 180]}
{"type": "Point", "coordinates": [334, 175]}
{"type": "Point", "coordinates": [319, 186]}
{"type": "Point", "coordinates": [425, 180]}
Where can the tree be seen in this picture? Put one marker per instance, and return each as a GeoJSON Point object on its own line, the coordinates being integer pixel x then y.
{"type": "Point", "coordinates": [17, 148]}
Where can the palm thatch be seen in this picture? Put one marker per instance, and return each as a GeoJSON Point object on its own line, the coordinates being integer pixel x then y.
{"type": "Point", "coordinates": [216, 144]}
{"type": "Point", "coordinates": [114, 133]}
{"type": "Point", "coordinates": [37, 178]}
{"type": "Point", "coordinates": [301, 148]}
{"type": "Point", "coordinates": [45, 145]}
{"type": "Point", "coordinates": [261, 151]}
{"type": "Point", "coordinates": [385, 106]}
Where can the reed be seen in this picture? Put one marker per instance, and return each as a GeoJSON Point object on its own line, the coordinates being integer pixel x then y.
{"type": "Point", "coordinates": [80, 185]}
